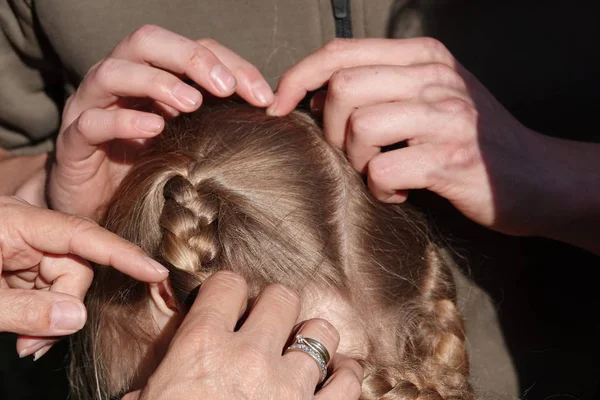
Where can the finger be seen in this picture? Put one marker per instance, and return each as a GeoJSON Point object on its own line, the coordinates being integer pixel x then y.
{"type": "Point", "coordinates": [132, 396]}
{"type": "Point", "coordinates": [314, 71]}
{"type": "Point", "coordinates": [40, 313]}
{"type": "Point", "coordinates": [96, 126]}
{"type": "Point", "coordinates": [373, 127]}
{"type": "Point", "coordinates": [114, 78]}
{"type": "Point", "coordinates": [22, 279]}
{"type": "Point", "coordinates": [38, 346]}
{"type": "Point", "coordinates": [53, 232]}
{"type": "Point", "coordinates": [303, 366]}
{"type": "Point", "coordinates": [172, 52]}
{"type": "Point", "coordinates": [357, 87]}
{"type": "Point", "coordinates": [345, 381]}
{"type": "Point", "coordinates": [251, 85]}
{"type": "Point", "coordinates": [272, 317]}
{"type": "Point", "coordinates": [67, 274]}
{"type": "Point", "coordinates": [412, 167]}
{"type": "Point", "coordinates": [219, 304]}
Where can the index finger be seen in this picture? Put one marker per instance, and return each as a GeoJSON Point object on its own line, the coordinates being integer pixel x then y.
{"type": "Point", "coordinates": [57, 233]}
{"type": "Point", "coordinates": [313, 71]}
{"type": "Point", "coordinates": [206, 62]}
{"type": "Point", "coordinates": [221, 301]}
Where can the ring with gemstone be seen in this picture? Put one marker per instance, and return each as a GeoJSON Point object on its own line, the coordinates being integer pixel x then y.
{"type": "Point", "coordinates": [313, 348]}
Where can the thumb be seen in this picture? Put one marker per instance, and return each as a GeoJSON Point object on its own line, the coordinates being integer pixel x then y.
{"type": "Point", "coordinates": [132, 396]}
{"type": "Point", "coordinates": [40, 313]}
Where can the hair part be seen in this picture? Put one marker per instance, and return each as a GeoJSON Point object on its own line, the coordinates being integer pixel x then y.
{"type": "Point", "coordinates": [229, 187]}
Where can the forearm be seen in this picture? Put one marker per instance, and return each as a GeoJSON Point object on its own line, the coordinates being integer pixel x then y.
{"type": "Point", "coordinates": [23, 176]}
{"type": "Point", "coordinates": [571, 199]}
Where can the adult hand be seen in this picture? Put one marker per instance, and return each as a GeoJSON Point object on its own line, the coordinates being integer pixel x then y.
{"type": "Point", "coordinates": [460, 142]}
{"type": "Point", "coordinates": [47, 250]}
{"type": "Point", "coordinates": [108, 120]}
{"type": "Point", "coordinates": [208, 359]}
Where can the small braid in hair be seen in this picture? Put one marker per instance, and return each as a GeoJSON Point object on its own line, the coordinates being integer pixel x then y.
{"type": "Point", "coordinates": [435, 363]}
{"type": "Point", "coordinates": [189, 224]}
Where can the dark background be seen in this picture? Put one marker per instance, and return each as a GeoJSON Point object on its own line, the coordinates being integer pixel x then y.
{"type": "Point", "coordinates": [539, 60]}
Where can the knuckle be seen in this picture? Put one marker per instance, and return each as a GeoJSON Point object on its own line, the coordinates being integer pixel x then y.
{"type": "Point", "coordinates": [361, 125]}
{"type": "Point", "coordinates": [208, 42]}
{"type": "Point", "coordinates": [338, 45]}
{"type": "Point", "coordinates": [143, 35]}
{"type": "Point", "coordinates": [435, 49]}
{"type": "Point", "coordinates": [340, 84]}
{"type": "Point", "coordinates": [229, 279]}
{"type": "Point", "coordinates": [440, 72]}
{"type": "Point", "coordinates": [105, 72]}
{"type": "Point", "coordinates": [200, 56]}
{"type": "Point", "coordinates": [85, 122]}
{"type": "Point", "coordinates": [81, 224]}
{"type": "Point", "coordinates": [455, 105]}
{"type": "Point", "coordinates": [283, 295]}
{"type": "Point", "coordinates": [458, 155]}
{"type": "Point", "coordinates": [34, 315]}
{"type": "Point", "coordinates": [376, 172]}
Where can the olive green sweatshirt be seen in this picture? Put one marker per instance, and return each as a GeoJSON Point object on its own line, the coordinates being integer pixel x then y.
{"type": "Point", "coordinates": [46, 47]}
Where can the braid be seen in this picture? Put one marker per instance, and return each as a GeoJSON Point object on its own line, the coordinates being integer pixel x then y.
{"type": "Point", "coordinates": [189, 224]}
{"type": "Point", "coordinates": [434, 365]}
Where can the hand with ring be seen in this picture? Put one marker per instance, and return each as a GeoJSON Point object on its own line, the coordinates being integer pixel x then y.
{"type": "Point", "coordinates": [210, 359]}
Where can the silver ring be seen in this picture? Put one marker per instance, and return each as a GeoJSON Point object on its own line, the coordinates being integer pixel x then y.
{"type": "Point", "coordinates": [301, 345]}
{"type": "Point", "coordinates": [316, 345]}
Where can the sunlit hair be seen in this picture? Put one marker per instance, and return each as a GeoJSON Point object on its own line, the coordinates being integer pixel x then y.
{"type": "Point", "coordinates": [229, 187]}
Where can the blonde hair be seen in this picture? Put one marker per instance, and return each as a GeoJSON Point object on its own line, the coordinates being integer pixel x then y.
{"type": "Point", "coordinates": [229, 187]}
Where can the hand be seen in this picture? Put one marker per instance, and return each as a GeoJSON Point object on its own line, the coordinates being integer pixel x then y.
{"type": "Point", "coordinates": [47, 251]}
{"type": "Point", "coordinates": [460, 142]}
{"type": "Point", "coordinates": [208, 359]}
{"type": "Point", "coordinates": [107, 122]}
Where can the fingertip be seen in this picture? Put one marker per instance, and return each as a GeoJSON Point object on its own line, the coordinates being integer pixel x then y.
{"type": "Point", "coordinates": [400, 196]}
{"type": "Point", "coordinates": [160, 271]}
{"type": "Point", "coordinates": [67, 316]}
{"type": "Point", "coordinates": [41, 352]}
{"type": "Point", "coordinates": [263, 95]}
{"type": "Point", "coordinates": [272, 109]}
{"type": "Point", "coordinates": [150, 124]}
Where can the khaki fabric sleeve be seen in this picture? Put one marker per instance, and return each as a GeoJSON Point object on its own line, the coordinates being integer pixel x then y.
{"type": "Point", "coordinates": [30, 82]}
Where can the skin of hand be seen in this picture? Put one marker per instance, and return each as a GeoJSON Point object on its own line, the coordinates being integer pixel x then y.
{"type": "Point", "coordinates": [107, 122]}
{"type": "Point", "coordinates": [29, 182]}
{"type": "Point", "coordinates": [47, 251]}
{"type": "Point", "coordinates": [208, 359]}
{"type": "Point", "coordinates": [455, 138]}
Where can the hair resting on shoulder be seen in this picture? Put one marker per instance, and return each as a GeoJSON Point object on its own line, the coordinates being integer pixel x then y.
{"type": "Point", "coordinates": [229, 187]}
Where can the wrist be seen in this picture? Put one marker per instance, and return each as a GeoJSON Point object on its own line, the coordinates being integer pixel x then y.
{"type": "Point", "coordinates": [569, 201]}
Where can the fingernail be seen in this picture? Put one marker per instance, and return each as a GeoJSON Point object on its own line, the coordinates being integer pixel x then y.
{"type": "Point", "coordinates": [186, 95]}
{"type": "Point", "coordinates": [272, 110]}
{"type": "Point", "coordinates": [67, 316]}
{"type": "Point", "coordinates": [149, 123]}
{"type": "Point", "coordinates": [262, 93]}
{"type": "Point", "coordinates": [224, 81]}
{"type": "Point", "coordinates": [33, 348]}
{"type": "Point", "coordinates": [40, 353]}
{"type": "Point", "coordinates": [157, 266]}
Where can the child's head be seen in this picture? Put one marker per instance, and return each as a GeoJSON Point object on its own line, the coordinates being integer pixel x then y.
{"type": "Point", "coordinates": [232, 188]}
